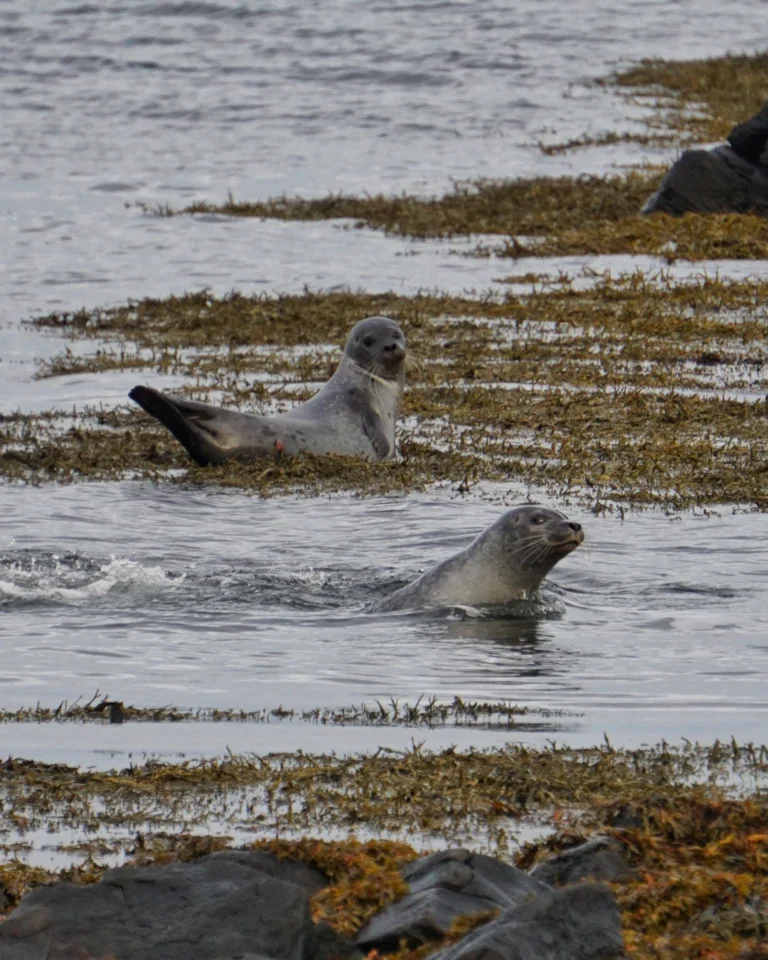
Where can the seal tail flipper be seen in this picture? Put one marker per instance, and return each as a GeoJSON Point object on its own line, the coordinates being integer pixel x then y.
{"type": "Point", "coordinates": [184, 419]}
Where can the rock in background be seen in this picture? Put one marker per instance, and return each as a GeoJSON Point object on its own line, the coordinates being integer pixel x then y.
{"type": "Point", "coordinates": [726, 179]}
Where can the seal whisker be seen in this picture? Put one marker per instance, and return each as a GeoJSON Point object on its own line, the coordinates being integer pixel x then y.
{"type": "Point", "coordinates": [413, 363]}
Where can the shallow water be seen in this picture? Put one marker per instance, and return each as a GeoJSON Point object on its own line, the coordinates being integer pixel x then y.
{"type": "Point", "coordinates": [159, 595]}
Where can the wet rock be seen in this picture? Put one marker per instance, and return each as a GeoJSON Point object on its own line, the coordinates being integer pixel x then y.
{"type": "Point", "coordinates": [328, 944]}
{"type": "Point", "coordinates": [580, 922]}
{"type": "Point", "coordinates": [731, 178]}
{"type": "Point", "coordinates": [712, 181]}
{"type": "Point", "coordinates": [627, 818]}
{"type": "Point", "coordinates": [600, 858]}
{"type": "Point", "coordinates": [418, 918]}
{"type": "Point", "coordinates": [229, 904]}
{"type": "Point", "coordinates": [303, 875]}
{"type": "Point", "coordinates": [443, 887]}
{"type": "Point", "coordinates": [750, 139]}
{"type": "Point", "coordinates": [473, 874]}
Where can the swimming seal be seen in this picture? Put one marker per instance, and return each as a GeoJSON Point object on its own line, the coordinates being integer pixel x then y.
{"type": "Point", "coordinates": [507, 562]}
{"type": "Point", "coordinates": [353, 414]}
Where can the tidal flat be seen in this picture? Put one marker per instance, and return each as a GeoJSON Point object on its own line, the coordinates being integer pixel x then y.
{"type": "Point", "coordinates": [689, 102]}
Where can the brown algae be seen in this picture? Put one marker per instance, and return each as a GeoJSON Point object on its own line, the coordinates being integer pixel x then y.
{"type": "Point", "coordinates": [698, 100]}
{"type": "Point", "coordinates": [691, 821]}
{"type": "Point", "coordinates": [633, 390]}
{"type": "Point", "coordinates": [542, 217]}
{"type": "Point", "coordinates": [690, 102]}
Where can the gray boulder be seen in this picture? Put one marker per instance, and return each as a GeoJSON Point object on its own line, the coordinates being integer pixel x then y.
{"type": "Point", "coordinates": [233, 904]}
{"type": "Point", "coordinates": [418, 918]}
{"type": "Point", "coordinates": [580, 922]}
{"type": "Point", "coordinates": [443, 887]}
{"type": "Point", "coordinates": [712, 181]}
{"type": "Point", "coordinates": [731, 178]}
{"type": "Point", "coordinates": [750, 139]}
{"type": "Point", "coordinates": [600, 858]}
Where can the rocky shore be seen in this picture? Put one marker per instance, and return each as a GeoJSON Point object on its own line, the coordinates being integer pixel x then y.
{"type": "Point", "coordinates": [249, 904]}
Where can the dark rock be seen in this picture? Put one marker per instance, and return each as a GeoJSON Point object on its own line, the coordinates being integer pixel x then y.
{"type": "Point", "coordinates": [627, 818]}
{"type": "Point", "coordinates": [600, 858]}
{"type": "Point", "coordinates": [750, 139]}
{"type": "Point", "coordinates": [303, 875]}
{"type": "Point", "coordinates": [418, 918]}
{"type": "Point", "coordinates": [443, 887]}
{"type": "Point", "coordinates": [712, 181]}
{"type": "Point", "coordinates": [210, 909]}
{"type": "Point", "coordinates": [328, 944]}
{"type": "Point", "coordinates": [417, 868]}
{"type": "Point", "coordinates": [474, 875]}
{"type": "Point", "coordinates": [580, 922]}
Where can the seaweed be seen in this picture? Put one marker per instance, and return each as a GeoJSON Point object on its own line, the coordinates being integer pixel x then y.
{"type": "Point", "coordinates": [606, 391]}
{"type": "Point", "coordinates": [690, 101]}
{"type": "Point", "coordinates": [690, 819]}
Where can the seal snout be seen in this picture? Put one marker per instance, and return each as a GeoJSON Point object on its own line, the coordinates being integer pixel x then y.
{"type": "Point", "coordinates": [572, 537]}
{"type": "Point", "coordinates": [393, 352]}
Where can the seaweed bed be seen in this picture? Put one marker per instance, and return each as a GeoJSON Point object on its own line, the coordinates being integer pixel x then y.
{"type": "Point", "coordinates": [690, 101]}
{"type": "Point", "coordinates": [425, 712]}
{"type": "Point", "coordinates": [610, 391]}
{"type": "Point", "coordinates": [696, 843]}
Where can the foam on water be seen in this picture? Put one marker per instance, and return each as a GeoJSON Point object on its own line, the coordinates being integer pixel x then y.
{"type": "Point", "coordinates": [73, 581]}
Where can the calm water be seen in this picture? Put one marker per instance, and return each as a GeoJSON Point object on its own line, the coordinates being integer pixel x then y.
{"type": "Point", "coordinates": [198, 598]}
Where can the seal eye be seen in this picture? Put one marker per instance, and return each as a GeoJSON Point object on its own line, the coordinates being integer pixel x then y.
{"type": "Point", "coordinates": [368, 342]}
{"type": "Point", "coordinates": [538, 518]}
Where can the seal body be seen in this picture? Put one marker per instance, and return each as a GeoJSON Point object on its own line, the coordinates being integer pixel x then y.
{"type": "Point", "coordinates": [353, 414]}
{"type": "Point", "coordinates": [507, 562]}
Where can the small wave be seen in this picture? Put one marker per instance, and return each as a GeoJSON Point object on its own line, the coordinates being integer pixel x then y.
{"type": "Point", "coordinates": [74, 580]}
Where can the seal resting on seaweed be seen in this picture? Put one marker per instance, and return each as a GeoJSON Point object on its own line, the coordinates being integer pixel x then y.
{"type": "Point", "coordinates": [353, 414]}
{"type": "Point", "coordinates": [507, 562]}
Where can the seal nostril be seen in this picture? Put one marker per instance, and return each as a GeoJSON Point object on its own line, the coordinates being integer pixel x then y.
{"type": "Point", "coordinates": [575, 526]}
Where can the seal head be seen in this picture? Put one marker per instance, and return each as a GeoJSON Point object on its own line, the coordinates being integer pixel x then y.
{"type": "Point", "coordinates": [377, 345]}
{"type": "Point", "coordinates": [507, 562]}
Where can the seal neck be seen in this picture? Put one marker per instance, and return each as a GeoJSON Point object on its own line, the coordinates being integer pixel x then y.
{"type": "Point", "coordinates": [356, 368]}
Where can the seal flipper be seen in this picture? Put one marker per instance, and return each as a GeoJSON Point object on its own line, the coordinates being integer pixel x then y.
{"type": "Point", "coordinates": [186, 421]}
{"type": "Point", "coordinates": [374, 430]}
